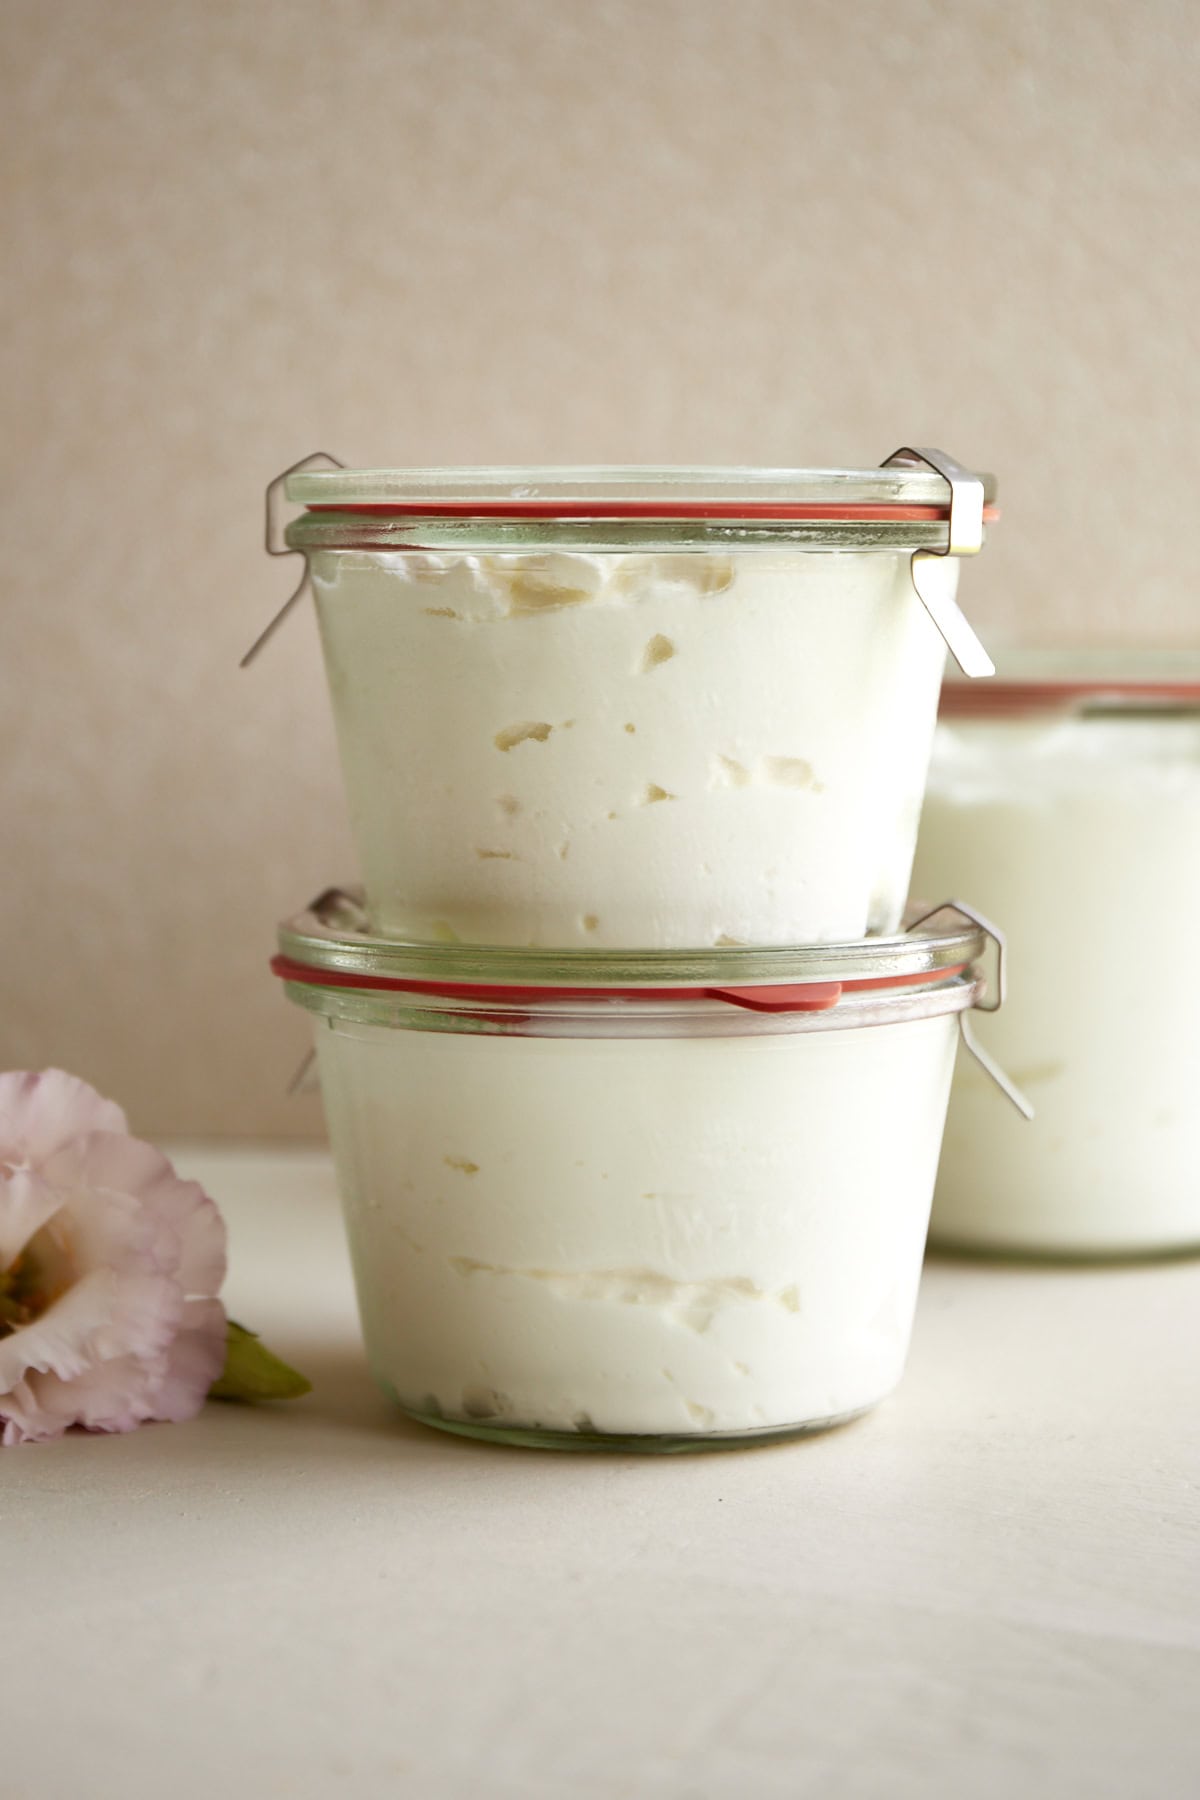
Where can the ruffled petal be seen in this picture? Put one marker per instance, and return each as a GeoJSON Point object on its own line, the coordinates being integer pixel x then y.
{"type": "Point", "coordinates": [197, 1228]}
{"type": "Point", "coordinates": [25, 1421]}
{"type": "Point", "coordinates": [194, 1360]}
{"type": "Point", "coordinates": [39, 1113]}
{"type": "Point", "coordinates": [147, 1311]}
{"type": "Point", "coordinates": [104, 1317]}
{"type": "Point", "coordinates": [58, 1342]}
{"type": "Point", "coordinates": [100, 1178]}
{"type": "Point", "coordinates": [112, 1396]}
{"type": "Point", "coordinates": [27, 1201]}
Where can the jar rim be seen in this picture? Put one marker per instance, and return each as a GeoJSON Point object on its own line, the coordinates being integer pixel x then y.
{"type": "Point", "coordinates": [330, 945]}
{"type": "Point", "coordinates": [902, 506]}
{"type": "Point", "coordinates": [530, 490]}
{"type": "Point", "coordinates": [604, 1014]}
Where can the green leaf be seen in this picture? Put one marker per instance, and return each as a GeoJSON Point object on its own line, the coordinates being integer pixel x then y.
{"type": "Point", "coordinates": [252, 1372]}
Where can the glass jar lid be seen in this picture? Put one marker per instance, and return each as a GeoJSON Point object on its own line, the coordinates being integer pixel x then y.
{"type": "Point", "coordinates": [919, 501]}
{"type": "Point", "coordinates": [330, 945]}
{"type": "Point", "coordinates": [905, 504]}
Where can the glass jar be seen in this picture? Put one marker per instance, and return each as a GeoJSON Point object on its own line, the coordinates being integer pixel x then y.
{"type": "Point", "coordinates": [660, 1201]}
{"type": "Point", "coordinates": [1072, 786]}
{"type": "Point", "coordinates": [637, 708]}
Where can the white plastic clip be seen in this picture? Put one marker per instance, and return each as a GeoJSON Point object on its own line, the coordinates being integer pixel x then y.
{"type": "Point", "coordinates": [277, 545]}
{"type": "Point", "coordinates": [930, 568]}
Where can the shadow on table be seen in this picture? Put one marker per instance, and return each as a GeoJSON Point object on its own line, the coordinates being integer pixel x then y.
{"type": "Point", "coordinates": [348, 1417]}
{"type": "Point", "coordinates": [1003, 1259]}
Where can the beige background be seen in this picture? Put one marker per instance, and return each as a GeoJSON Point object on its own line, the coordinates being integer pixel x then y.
{"type": "Point", "coordinates": [439, 230]}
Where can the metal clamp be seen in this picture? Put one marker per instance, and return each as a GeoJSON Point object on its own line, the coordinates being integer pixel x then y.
{"type": "Point", "coordinates": [277, 545]}
{"type": "Point", "coordinates": [304, 1080]}
{"type": "Point", "coordinates": [991, 1067]}
{"type": "Point", "coordinates": [971, 1043]}
{"type": "Point", "coordinates": [964, 538]}
{"type": "Point", "coordinates": [988, 929]}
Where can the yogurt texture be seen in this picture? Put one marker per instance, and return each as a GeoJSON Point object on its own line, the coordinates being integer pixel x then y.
{"type": "Point", "coordinates": [685, 1236]}
{"type": "Point", "coordinates": [1082, 834]}
{"type": "Point", "coordinates": [692, 748]}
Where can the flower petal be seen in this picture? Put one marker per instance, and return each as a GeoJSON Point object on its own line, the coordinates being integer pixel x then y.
{"type": "Point", "coordinates": [39, 1113]}
{"type": "Point", "coordinates": [104, 1317]}
{"type": "Point", "coordinates": [25, 1421]}
{"type": "Point", "coordinates": [197, 1227]}
{"type": "Point", "coordinates": [134, 1256]}
{"type": "Point", "coordinates": [194, 1360]}
{"type": "Point", "coordinates": [111, 1182]}
{"type": "Point", "coordinates": [58, 1341]}
{"type": "Point", "coordinates": [146, 1313]}
{"type": "Point", "coordinates": [112, 1396]}
{"type": "Point", "coordinates": [26, 1203]}
{"type": "Point", "coordinates": [101, 1178]}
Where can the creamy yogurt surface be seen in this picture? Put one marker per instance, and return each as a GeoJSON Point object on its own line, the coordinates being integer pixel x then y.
{"type": "Point", "coordinates": [630, 749]}
{"type": "Point", "coordinates": [1082, 836]}
{"type": "Point", "coordinates": [681, 1236]}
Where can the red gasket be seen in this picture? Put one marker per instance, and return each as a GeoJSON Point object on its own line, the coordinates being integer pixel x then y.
{"type": "Point", "coordinates": [584, 510]}
{"type": "Point", "coordinates": [963, 700]}
{"type": "Point", "coordinates": [812, 996]}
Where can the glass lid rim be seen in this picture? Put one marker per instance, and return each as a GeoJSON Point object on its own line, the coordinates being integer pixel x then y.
{"type": "Point", "coordinates": [494, 484]}
{"type": "Point", "coordinates": [308, 941]}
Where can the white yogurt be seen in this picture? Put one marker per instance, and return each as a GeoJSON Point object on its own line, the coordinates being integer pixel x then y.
{"type": "Point", "coordinates": [631, 749]}
{"type": "Point", "coordinates": [679, 1236]}
{"type": "Point", "coordinates": [1081, 833]}
{"type": "Point", "coordinates": [639, 1219]}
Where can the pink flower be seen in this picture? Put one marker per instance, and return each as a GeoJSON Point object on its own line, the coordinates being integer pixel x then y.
{"type": "Point", "coordinates": [109, 1269]}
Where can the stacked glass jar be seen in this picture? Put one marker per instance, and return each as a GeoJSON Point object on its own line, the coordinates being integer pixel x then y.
{"type": "Point", "coordinates": [634, 1066]}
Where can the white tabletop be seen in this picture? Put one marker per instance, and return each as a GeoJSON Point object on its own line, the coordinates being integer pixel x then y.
{"type": "Point", "coordinates": [989, 1587]}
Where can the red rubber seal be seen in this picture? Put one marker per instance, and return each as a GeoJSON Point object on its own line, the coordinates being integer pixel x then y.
{"type": "Point", "coordinates": [642, 509]}
{"type": "Point", "coordinates": [810, 996]}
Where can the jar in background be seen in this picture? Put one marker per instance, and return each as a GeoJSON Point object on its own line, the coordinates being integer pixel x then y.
{"type": "Point", "coordinates": [660, 1201]}
{"type": "Point", "coordinates": [1069, 790]}
{"type": "Point", "coordinates": [654, 707]}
